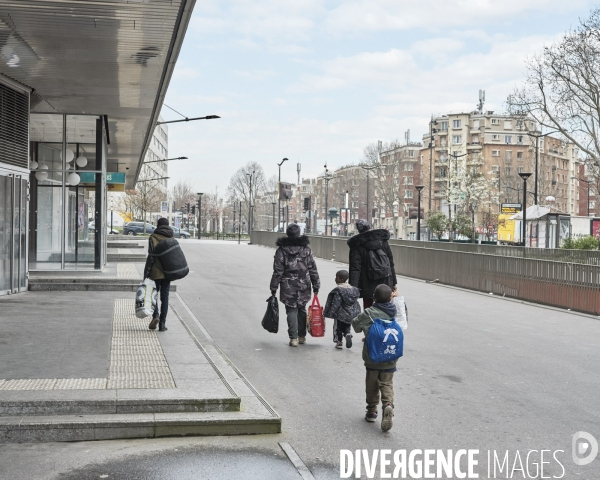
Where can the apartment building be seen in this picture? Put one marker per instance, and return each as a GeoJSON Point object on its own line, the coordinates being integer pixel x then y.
{"type": "Point", "coordinates": [498, 147]}
{"type": "Point", "coordinates": [396, 195]}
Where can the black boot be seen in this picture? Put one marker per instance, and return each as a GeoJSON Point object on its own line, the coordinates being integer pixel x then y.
{"type": "Point", "coordinates": [162, 327]}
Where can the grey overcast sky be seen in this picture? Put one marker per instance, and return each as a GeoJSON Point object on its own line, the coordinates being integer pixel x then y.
{"type": "Point", "coordinates": [316, 80]}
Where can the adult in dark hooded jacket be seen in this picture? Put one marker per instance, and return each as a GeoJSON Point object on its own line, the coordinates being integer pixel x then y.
{"type": "Point", "coordinates": [360, 245]}
{"type": "Point", "coordinates": [294, 269]}
{"type": "Point", "coordinates": [154, 271]}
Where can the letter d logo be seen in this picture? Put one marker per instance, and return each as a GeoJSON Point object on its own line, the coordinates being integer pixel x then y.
{"type": "Point", "coordinates": [585, 448]}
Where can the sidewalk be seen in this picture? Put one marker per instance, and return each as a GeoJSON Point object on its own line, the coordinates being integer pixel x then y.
{"type": "Point", "coordinates": [81, 366]}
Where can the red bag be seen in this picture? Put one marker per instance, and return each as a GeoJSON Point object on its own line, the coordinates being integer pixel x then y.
{"type": "Point", "coordinates": [316, 320]}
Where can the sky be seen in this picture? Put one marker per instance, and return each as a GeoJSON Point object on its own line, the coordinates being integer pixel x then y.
{"type": "Point", "coordinates": [316, 81]}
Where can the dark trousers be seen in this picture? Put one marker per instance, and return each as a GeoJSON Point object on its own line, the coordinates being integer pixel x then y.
{"type": "Point", "coordinates": [296, 318]}
{"type": "Point", "coordinates": [163, 287]}
{"type": "Point", "coordinates": [367, 303]}
{"type": "Point", "coordinates": [341, 330]}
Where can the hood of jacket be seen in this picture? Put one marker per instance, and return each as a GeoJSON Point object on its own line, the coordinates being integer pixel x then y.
{"type": "Point", "coordinates": [164, 230]}
{"type": "Point", "coordinates": [371, 240]}
{"type": "Point", "coordinates": [293, 246]}
{"type": "Point", "coordinates": [349, 294]}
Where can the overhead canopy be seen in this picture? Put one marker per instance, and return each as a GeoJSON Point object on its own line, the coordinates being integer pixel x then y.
{"type": "Point", "coordinates": [535, 212]}
{"type": "Point", "coordinates": [100, 57]}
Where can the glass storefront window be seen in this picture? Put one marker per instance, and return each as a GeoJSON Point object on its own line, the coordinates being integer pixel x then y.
{"type": "Point", "coordinates": [64, 172]}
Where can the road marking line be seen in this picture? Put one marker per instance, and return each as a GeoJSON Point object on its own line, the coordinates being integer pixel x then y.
{"type": "Point", "coordinates": [296, 461]}
{"type": "Point", "coordinates": [204, 331]}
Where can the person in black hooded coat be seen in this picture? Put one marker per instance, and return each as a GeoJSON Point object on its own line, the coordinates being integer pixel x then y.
{"type": "Point", "coordinates": [360, 245]}
{"type": "Point", "coordinates": [294, 268]}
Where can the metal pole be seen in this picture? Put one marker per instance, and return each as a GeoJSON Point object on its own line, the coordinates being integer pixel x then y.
{"type": "Point", "coordinates": [368, 171]}
{"type": "Point", "coordinates": [419, 217]}
{"type": "Point", "coordinates": [524, 226]}
{"type": "Point", "coordinates": [326, 203]}
{"type": "Point", "coordinates": [240, 225]}
{"type": "Point", "coordinates": [199, 217]}
{"type": "Point", "coordinates": [430, 158]}
{"type": "Point", "coordinates": [279, 198]}
{"type": "Point", "coordinates": [250, 206]}
{"type": "Point", "coordinates": [537, 154]}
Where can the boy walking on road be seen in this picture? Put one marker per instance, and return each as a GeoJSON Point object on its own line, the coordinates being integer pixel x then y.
{"type": "Point", "coordinates": [380, 376]}
{"type": "Point", "coordinates": [342, 305]}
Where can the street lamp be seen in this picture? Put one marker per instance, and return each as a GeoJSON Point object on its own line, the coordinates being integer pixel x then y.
{"type": "Point", "coordinates": [250, 175]}
{"type": "Point", "coordinates": [153, 179]}
{"type": "Point", "coordinates": [537, 156]}
{"type": "Point", "coordinates": [419, 188]}
{"type": "Point", "coordinates": [200, 216]}
{"type": "Point", "coordinates": [588, 192]}
{"type": "Point", "coordinates": [368, 170]}
{"type": "Point", "coordinates": [431, 139]}
{"type": "Point", "coordinates": [273, 222]}
{"type": "Point", "coordinates": [524, 176]}
{"type": "Point", "coordinates": [186, 119]}
{"type": "Point", "coordinates": [279, 194]}
{"type": "Point", "coordinates": [167, 159]}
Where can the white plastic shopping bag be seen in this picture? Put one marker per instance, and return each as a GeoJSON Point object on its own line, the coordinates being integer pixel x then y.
{"type": "Point", "coordinates": [145, 299]}
{"type": "Point", "coordinates": [401, 316]}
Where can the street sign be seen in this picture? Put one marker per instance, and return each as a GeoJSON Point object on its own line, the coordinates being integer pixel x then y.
{"type": "Point", "coordinates": [510, 208]}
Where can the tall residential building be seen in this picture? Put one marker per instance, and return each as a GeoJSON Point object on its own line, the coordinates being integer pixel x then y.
{"type": "Point", "coordinates": [154, 167]}
{"type": "Point", "coordinates": [498, 147]}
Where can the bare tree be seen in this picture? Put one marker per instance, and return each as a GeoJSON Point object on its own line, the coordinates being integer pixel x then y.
{"type": "Point", "coordinates": [251, 174]}
{"type": "Point", "coordinates": [562, 88]}
{"type": "Point", "coordinates": [386, 178]}
{"type": "Point", "coordinates": [183, 192]}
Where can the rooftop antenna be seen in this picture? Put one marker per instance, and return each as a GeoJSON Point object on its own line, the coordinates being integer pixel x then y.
{"type": "Point", "coordinates": [407, 136]}
{"type": "Point", "coordinates": [481, 101]}
{"type": "Point", "coordinates": [299, 166]}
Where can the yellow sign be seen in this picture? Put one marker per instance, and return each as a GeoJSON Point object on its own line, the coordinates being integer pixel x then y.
{"type": "Point", "coordinates": [510, 208]}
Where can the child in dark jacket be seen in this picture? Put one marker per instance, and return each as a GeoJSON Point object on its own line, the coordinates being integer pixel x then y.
{"type": "Point", "coordinates": [342, 305]}
{"type": "Point", "coordinates": [380, 376]}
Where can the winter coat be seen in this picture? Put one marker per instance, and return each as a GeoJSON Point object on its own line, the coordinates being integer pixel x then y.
{"type": "Point", "coordinates": [342, 303]}
{"type": "Point", "coordinates": [153, 269]}
{"type": "Point", "coordinates": [359, 261]}
{"type": "Point", "coordinates": [294, 268]}
{"type": "Point", "coordinates": [362, 323]}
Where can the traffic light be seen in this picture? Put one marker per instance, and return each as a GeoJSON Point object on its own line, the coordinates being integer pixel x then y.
{"type": "Point", "coordinates": [187, 206]}
{"type": "Point", "coordinates": [306, 204]}
{"type": "Point", "coordinates": [193, 209]}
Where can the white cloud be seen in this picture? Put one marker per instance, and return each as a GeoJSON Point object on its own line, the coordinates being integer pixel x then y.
{"type": "Point", "coordinates": [370, 15]}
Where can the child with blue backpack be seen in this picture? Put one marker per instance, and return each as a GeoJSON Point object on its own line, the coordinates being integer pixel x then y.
{"type": "Point", "coordinates": [383, 347]}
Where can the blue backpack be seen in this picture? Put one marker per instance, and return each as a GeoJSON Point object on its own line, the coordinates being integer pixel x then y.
{"type": "Point", "coordinates": [385, 341]}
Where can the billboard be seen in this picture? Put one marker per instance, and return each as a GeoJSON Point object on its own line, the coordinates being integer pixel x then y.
{"type": "Point", "coordinates": [285, 191]}
{"type": "Point", "coordinates": [164, 206]}
{"type": "Point", "coordinates": [510, 208]}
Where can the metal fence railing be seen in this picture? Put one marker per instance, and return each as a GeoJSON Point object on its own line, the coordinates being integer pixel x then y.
{"type": "Point", "coordinates": [566, 284]}
{"type": "Point", "coordinates": [587, 257]}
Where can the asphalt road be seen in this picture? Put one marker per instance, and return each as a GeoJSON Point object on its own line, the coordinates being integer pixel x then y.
{"type": "Point", "coordinates": [479, 372]}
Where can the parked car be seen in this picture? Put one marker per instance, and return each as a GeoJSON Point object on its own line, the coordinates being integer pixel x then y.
{"type": "Point", "coordinates": [136, 228]}
{"type": "Point", "coordinates": [179, 233]}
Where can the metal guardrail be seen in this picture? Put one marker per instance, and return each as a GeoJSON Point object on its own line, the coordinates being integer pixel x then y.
{"type": "Point", "coordinates": [565, 284]}
{"type": "Point", "coordinates": [586, 257]}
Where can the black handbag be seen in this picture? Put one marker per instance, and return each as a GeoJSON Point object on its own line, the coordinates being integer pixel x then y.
{"type": "Point", "coordinates": [270, 321]}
